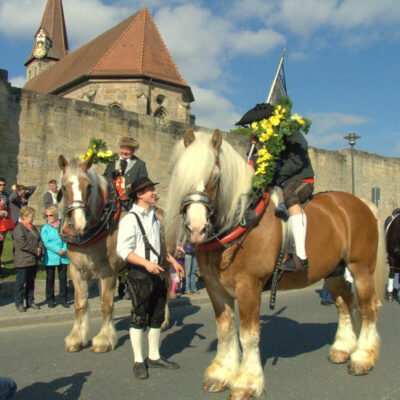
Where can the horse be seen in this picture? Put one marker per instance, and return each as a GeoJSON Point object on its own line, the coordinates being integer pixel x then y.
{"type": "Point", "coordinates": [392, 229]}
{"type": "Point", "coordinates": [90, 228]}
{"type": "Point", "coordinates": [207, 197]}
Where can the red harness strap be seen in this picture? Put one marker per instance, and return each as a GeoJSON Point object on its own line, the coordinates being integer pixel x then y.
{"type": "Point", "coordinates": [237, 232]}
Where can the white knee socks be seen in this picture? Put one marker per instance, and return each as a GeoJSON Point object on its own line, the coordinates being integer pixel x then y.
{"type": "Point", "coordinates": [136, 336]}
{"type": "Point", "coordinates": [154, 343]}
{"type": "Point", "coordinates": [298, 224]}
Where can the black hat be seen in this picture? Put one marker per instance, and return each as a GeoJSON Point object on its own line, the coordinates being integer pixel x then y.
{"type": "Point", "coordinates": [257, 113]}
{"type": "Point", "coordinates": [142, 183]}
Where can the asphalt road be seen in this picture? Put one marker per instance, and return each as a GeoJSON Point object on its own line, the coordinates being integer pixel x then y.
{"type": "Point", "coordinates": [294, 347]}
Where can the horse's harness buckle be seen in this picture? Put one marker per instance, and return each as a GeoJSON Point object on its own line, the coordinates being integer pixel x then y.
{"type": "Point", "coordinates": [197, 197]}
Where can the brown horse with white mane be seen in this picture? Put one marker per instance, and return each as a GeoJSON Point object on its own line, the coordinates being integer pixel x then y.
{"type": "Point", "coordinates": [208, 197]}
{"type": "Point", "coordinates": [90, 229]}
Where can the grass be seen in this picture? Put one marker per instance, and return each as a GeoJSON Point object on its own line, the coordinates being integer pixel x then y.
{"type": "Point", "coordinates": [7, 260]}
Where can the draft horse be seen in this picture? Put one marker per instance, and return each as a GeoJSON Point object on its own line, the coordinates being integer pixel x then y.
{"type": "Point", "coordinates": [207, 196]}
{"type": "Point", "coordinates": [91, 248]}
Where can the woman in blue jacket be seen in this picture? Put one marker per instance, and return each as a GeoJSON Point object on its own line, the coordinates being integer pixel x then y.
{"type": "Point", "coordinates": [55, 256]}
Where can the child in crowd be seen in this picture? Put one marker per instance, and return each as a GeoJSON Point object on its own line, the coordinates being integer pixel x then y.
{"type": "Point", "coordinates": [177, 280]}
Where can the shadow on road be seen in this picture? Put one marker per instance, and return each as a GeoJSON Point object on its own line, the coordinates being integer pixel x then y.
{"type": "Point", "coordinates": [66, 388]}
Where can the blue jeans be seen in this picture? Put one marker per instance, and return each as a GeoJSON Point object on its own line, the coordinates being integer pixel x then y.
{"type": "Point", "coordinates": [190, 273]}
{"type": "Point", "coordinates": [7, 388]}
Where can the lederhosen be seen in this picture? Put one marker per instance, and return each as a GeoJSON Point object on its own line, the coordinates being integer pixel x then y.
{"type": "Point", "coordinates": [148, 291]}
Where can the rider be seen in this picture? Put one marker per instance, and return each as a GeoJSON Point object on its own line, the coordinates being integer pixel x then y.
{"type": "Point", "coordinates": [126, 169]}
{"type": "Point", "coordinates": [141, 245]}
{"type": "Point", "coordinates": [296, 177]}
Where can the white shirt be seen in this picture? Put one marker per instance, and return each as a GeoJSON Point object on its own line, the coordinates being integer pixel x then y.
{"type": "Point", "coordinates": [130, 237]}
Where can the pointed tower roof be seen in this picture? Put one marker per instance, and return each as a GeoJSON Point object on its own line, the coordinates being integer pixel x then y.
{"type": "Point", "coordinates": [133, 48]}
{"type": "Point", "coordinates": [53, 24]}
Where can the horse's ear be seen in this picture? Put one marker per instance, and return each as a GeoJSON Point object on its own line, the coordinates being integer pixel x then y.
{"type": "Point", "coordinates": [188, 137]}
{"type": "Point", "coordinates": [87, 163]}
{"type": "Point", "coordinates": [216, 140]}
{"type": "Point", "coordinates": [62, 162]}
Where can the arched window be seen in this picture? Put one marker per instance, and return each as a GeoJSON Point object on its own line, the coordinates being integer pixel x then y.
{"type": "Point", "coordinates": [160, 112]}
{"type": "Point", "coordinates": [116, 106]}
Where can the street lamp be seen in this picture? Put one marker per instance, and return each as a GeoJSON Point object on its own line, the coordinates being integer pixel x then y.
{"type": "Point", "coordinates": [352, 137]}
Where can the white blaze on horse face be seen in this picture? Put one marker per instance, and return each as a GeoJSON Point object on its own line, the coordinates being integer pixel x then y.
{"type": "Point", "coordinates": [79, 214]}
{"type": "Point", "coordinates": [197, 220]}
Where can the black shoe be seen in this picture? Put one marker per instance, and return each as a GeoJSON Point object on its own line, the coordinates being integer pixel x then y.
{"type": "Point", "coordinates": [51, 304]}
{"type": "Point", "coordinates": [162, 363]}
{"type": "Point", "coordinates": [64, 304]}
{"type": "Point", "coordinates": [140, 370]}
{"type": "Point", "coordinates": [290, 265]}
{"type": "Point", "coordinates": [21, 308]}
{"type": "Point", "coordinates": [34, 306]}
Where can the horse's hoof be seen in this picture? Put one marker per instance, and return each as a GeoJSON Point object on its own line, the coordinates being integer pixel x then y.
{"type": "Point", "coordinates": [213, 386]}
{"type": "Point", "coordinates": [240, 395]}
{"type": "Point", "coordinates": [338, 357]}
{"type": "Point", "coordinates": [359, 369]}
{"type": "Point", "coordinates": [73, 349]}
{"type": "Point", "coordinates": [100, 349]}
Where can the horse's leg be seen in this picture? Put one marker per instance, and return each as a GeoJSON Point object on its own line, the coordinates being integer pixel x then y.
{"type": "Point", "coordinates": [249, 382]}
{"type": "Point", "coordinates": [78, 337]}
{"type": "Point", "coordinates": [345, 339]}
{"type": "Point", "coordinates": [367, 351]}
{"type": "Point", "coordinates": [106, 339]}
{"type": "Point", "coordinates": [168, 283]}
{"type": "Point", "coordinates": [226, 362]}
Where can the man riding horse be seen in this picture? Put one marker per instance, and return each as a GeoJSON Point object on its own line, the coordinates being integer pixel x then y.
{"type": "Point", "coordinates": [296, 177]}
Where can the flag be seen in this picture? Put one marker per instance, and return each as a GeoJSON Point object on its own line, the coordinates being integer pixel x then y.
{"type": "Point", "coordinates": [278, 87]}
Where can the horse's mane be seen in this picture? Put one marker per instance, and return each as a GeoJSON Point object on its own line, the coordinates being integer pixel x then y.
{"type": "Point", "coordinates": [193, 167]}
{"type": "Point", "coordinates": [96, 180]}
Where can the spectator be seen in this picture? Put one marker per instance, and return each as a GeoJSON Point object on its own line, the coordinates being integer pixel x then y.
{"type": "Point", "coordinates": [6, 222]}
{"type": "Point", "coordinates": [55, 257]}
{"type": "Point", "coordinates": [50, 197]}
{"type": "Point", "coordinates": [18, 199]}
{"type": "Point", "coordinates": [7, 388]}
{"type": "Point", "coordinates": [190, 270]}
{"type": "Point", "coordinates": [27, 250]}
{"type": "Point", "coordinates": [176, 287]}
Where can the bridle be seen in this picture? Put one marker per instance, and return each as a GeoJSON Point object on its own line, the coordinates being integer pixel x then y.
{"type": "Point", "coordinates": [77, 205]}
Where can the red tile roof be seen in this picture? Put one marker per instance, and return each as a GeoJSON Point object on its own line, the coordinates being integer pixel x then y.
{"type": "Point", "coordinates": [54, 25]}
{"type": "Point", "coordinates": [133, 48]}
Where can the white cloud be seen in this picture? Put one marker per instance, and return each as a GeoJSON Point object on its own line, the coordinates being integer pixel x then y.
{"type": "Point", "coordinates": [213, 110]}
{"type": "Point", "coordinates": [326, 140]}
{"type": "Point", "coordinates": [18, 81]}
{"type": "Point", "coordinates": [202, 43]}
{"type": "Point", "coordinates": [324, 122]}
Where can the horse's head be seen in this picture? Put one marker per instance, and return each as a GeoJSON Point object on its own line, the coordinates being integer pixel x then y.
{"type": "Point", "coordinates": [77, 191]}
{"type": "Point", "coordinates": [198, 206]}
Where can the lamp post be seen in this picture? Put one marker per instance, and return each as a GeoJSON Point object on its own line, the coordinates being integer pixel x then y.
{"type": "Point", "coordinates": [352, 137]}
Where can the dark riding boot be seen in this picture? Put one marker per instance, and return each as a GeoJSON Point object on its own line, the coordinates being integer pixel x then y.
{"type": "Point", "coordinates": [290, 265]}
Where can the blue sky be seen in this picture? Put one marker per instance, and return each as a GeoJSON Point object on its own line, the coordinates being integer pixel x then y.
{"type": "Point", "coordinates": [342, 59]}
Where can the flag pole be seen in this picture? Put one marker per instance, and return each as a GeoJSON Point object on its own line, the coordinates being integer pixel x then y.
{"type": "Point", "coordinates": [276, 76]}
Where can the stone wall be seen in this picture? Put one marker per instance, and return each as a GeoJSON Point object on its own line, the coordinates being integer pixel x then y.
{"type": "Point", "coordinates": [36, 128]}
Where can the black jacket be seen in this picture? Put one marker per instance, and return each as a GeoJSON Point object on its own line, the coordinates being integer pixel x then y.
{"type": "Point", "coordinates": [15, 202]}
{"type": "Point", "coordinates": [26, 242]}
{"type": "Point", "coordinates": [295, 163]}
{"type": "Point", "coordinates": [137, 171]}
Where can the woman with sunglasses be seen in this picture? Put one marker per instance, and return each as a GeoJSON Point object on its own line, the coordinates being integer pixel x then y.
{"type": "Point", "coordinates": [55, 257]}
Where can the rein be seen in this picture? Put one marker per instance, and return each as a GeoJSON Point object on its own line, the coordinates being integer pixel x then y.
{"type": "Point", "coordinates": [109, 211]}
{"type": "Point", "coordinates": [229, 239]}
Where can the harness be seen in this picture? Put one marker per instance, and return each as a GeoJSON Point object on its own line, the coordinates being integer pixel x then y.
{"type": "Point", "coordinates": [108, 213]}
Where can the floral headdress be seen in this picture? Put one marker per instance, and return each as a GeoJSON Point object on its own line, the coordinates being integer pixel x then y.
{"type": "Point", "coordinates": [270, 133]}
{"type": "Point", "coordinates": [98, 148]}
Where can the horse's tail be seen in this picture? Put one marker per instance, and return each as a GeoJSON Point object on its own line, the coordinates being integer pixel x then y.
{"type": "Point", "coordinates": [381, 270]}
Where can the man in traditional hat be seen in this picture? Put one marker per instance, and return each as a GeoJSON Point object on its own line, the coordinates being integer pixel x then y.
{"type": "Point", "coordinates": [141, 245]}
{"type": "Point", "coordinates": [126, 170]}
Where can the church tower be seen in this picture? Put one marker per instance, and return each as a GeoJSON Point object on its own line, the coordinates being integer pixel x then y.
{"type": "Point", "coordinates": [51, 42]}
